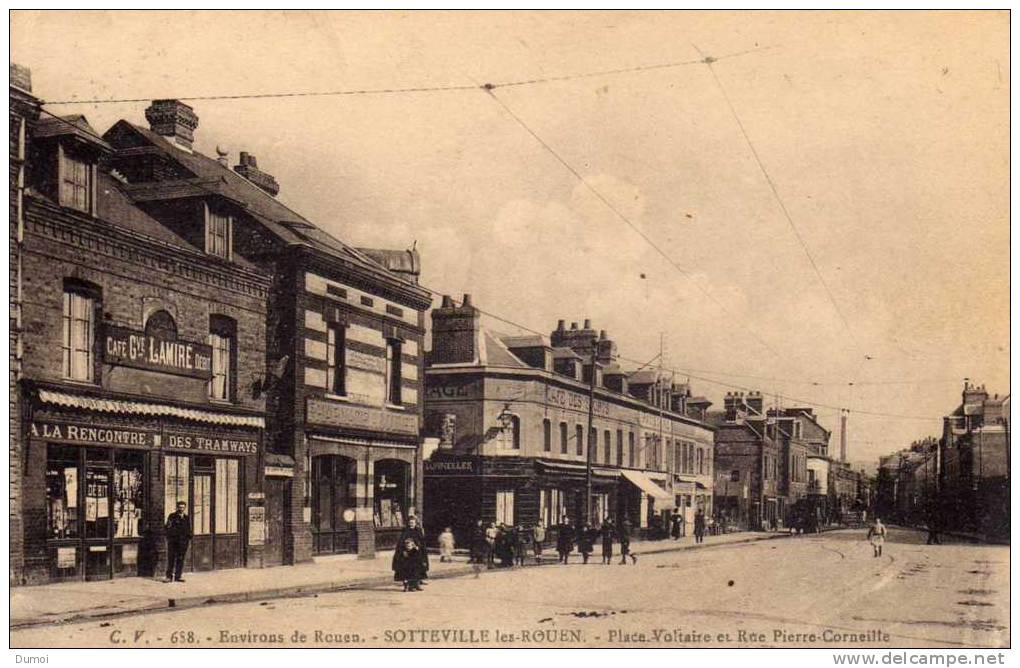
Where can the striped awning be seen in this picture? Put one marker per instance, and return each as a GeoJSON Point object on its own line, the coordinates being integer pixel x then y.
{"type": "Point", "coordinates": [68, 400]}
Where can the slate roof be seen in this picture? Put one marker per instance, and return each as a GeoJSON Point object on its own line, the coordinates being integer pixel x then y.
{"type": "Point", "coordinates": [286, 224]}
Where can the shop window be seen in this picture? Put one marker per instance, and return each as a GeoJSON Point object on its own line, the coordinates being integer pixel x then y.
{"type": "Point", "coordinates": [161, 325]}
{"type": "Point", "coordinates": [546, 435]}
{"type": "Point", "coordinates": [63, 512]}
{"type": "Point", "coordinates": [333, 479]}
{"type": "Point", "coordinates": [81, 304]}
{"type": "Point", "coordinates": [393, 371]}
{"type": "Point", "coordinates": [563, 438]}
{"type": "Point", "coordinates": [336, 359]}
{"type": "Point", "coordinates": [97, 493]}
{"type": "Point", "coordinates": [175, 482]}
{"type": "Point", "coordinates": [391, 479]}
{"type": "Point", "coordinates": [579, 437]}
{"type": "Point", "coordinates": [505, 507]}
{"type": "Point", "coordinates": [222, 339]}
{"type": "Point", "coordinates": [218, 233]}
{"type": "Point", "coordinates": [128, 474]}
{"type": "Point", "coordinates": [76, 181]}
{"type": "Point", "coordinates": [226, 495]}
{"type": "Point", "coordinates": [552, 506]}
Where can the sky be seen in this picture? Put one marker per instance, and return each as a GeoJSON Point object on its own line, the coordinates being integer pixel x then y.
{"type": "Point", "coordinates": [825, 204]}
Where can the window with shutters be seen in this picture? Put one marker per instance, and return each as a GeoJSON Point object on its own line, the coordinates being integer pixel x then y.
{"type": "Point", "coordinates": [76, 181]}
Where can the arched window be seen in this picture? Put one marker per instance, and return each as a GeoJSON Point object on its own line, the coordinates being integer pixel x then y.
{"type": "Point", "coordinates": [161, 325]}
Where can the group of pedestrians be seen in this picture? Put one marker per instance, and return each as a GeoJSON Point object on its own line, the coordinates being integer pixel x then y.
{"type": "Point", "coordinates": [678, 527]}
{"type": "Point", "coordinates": [585, 536]}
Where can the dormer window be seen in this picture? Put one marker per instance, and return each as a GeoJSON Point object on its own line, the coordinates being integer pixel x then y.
{"type": "Point", "coordinates": [77, 181]}
{"type": "Point", "coordinates": [218, 233]}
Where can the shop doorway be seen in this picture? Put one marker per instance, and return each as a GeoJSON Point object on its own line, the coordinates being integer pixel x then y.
{"type": "Point", "coordinates": [211, 488]}
{"type": "Point", "coordinates": [277, 503]}
{"type": "Point", "coordinates": [334, 494]}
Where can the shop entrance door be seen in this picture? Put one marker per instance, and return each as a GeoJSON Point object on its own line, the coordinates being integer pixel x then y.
{"type": "Point", "coordinates": [277, 502]}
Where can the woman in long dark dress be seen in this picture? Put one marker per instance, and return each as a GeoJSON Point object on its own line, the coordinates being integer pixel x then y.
{"type": "Point", "coordinates": [410, 559]}
{"type": "Point", "coordinates": [607, 531]}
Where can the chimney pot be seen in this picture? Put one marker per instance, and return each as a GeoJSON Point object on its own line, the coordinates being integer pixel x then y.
{"type": "Point", "coordinates": [587, 323]}
{"type": "Point", "coordinates": [21, 77]}
{"type": "Point", "coordinates": [573, 325]}
{"type": "Point", "coordinates": [248, 167]}
{"type": "Point", "coordinates": [221, 155]}
{"type": "Point", "coordinates": [467, 300]}
{"type": "Point", "coordinates": [602, 335]}
{"type": "Point", "coordinates": [174, 120]}
{"type": "Point", "coordinates": [447, 301]}
{"type": "Point", "coordinates": [561, 325]}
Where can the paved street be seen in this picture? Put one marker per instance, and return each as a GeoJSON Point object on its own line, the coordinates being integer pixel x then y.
{"type": "Point", "coordinates": [823, 590]}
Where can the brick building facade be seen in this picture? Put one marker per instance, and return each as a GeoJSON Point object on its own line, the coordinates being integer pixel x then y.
{"type": "Point", "coordinates": [178, 334]}
{"type": "Point", "coordinates": [511, 413]}
{"type": "Point", "coordinates": [138, 352]}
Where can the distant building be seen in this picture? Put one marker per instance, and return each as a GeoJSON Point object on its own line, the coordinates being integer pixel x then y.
{"type": "Point", "coordinates": [974, 472]}
{"type": "Point", "coordinates": [511, 413]}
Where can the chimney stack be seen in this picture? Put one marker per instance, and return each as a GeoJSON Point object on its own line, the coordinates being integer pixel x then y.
{"type": "Point", "coordinates": [249, 169]}
{"type": "Point", "coordinates": [455, 332]}
{"type": "Point", "coordinates": [174, 120]}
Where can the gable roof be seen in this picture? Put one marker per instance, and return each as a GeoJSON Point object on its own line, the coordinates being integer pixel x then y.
{"type": "Point", "coordinates": [210, 176]}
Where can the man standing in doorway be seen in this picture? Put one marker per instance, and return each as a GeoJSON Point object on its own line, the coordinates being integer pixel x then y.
{"type": "Point", "coordinates": [178, 535]}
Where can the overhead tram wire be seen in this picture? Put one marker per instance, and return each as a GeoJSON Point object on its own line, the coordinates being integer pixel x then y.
{"type": "Point", "coordinates": [625, 359]}
{"type": "Point", "coordinates": [423, 89]}
{"type": "Point", "coordinates": [619, 214]}
{"type": "Point", "coordinates": [709, 61]}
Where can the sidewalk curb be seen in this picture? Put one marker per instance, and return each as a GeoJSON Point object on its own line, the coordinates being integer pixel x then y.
{"type": "Point", "coordinates": [301, 591]}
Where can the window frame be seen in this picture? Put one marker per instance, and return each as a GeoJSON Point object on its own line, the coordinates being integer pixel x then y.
{"type": "Point", "coordinates": [211, 215]}
{"type": "Point", "coordinates": [394, 373]}
{"type": "Point", "coordinates": [66, 180]}
{"type": "Point", "coordinates": [223, 329]}
{"type": "Point", "coordinates": [92, 298]}
{"type": "Point", "coordinates": [336, 359]}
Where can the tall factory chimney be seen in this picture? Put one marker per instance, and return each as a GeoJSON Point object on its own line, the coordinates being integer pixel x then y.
{"type": "Point", "coordinates": [842, 435]}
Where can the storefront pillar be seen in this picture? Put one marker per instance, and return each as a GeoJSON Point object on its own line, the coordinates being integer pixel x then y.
{"type": "Point", "coordinates": [364, 522]}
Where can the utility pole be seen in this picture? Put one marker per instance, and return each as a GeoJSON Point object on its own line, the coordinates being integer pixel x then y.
{"type": "Point", "coordinates": [591, 419]}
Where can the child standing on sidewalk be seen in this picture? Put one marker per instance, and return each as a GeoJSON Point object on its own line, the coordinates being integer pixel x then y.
{"type": "Point", "coordinates": [446, 545]}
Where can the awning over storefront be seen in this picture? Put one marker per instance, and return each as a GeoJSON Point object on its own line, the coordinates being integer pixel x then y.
{"type": "Point", "coordinates": [578, 469]}
{"type": "Point", "coordinates": [645, 484]}
{"type": "Point", "coordinates": [68, 400]}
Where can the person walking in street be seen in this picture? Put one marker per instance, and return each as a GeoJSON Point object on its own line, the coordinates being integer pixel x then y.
{"type": "Point", "coordinates": [520, 544]}
{"type": "Point", "coordinates": [699, 526]}
{"type": "Point", "coordinates": [607, 532]}
{"type": "Point", "coordinates": [564, 540]}
{"type": "Point", "coordinates": [537, 539]}
{"type": "Point", "coordinates": [410, 558]}
{"type": "Point", "coordinates": [876, 536]}
{"type": "Point", "coordinates": [585, 542]}
{"type": "Point", "coordinates": [624, 535]}
{"type": "Point", "coordinates": [446, 545]}
{"type": "Point", "coordinates": [675, 526]}
{"type": "Point", "coordinates": [478, 543]}
{"type": "Point", "coordinates": [178, 535]}
{"type": "Point", "coordinates": [934, 528]}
